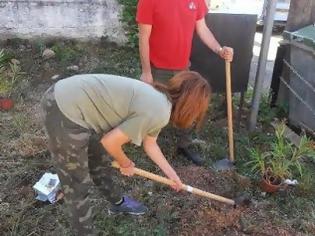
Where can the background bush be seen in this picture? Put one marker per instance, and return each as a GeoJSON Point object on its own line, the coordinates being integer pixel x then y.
{"type": "Point", "coordinates": [128, 17]}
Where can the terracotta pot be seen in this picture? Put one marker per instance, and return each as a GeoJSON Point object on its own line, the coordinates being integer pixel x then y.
{"type": "Point", "coordinates": [6, 104]}
{"type": "Point", "coordinates": [270, 184]}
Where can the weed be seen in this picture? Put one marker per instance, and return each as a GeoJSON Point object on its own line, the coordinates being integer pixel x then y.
{"type": "Point", "coordinates": [283, 158]}
{"type": "Point", "coordinates": [306, 185]}
{"type": "Point", "coordinates": [67, 53]}
{"type": "Point", "coordinates": [266, 113]}
{"type": "Point", "coordinates": [120, 225]}
{"type": "Point", "coordinates": [128, 17]}
{"type": "Point", "coordinates": [39, 46]}
{"type": "Point", "coordinates": [3, 59]}
{"type": "Point", "coordinates": [282, 110]}
{"type": "Point", "coordinates": [123, 61]}
{"type": "Point", "coordinates": [21, 123]}
{"type": "Point", "coordinates": [258, 162]}
{"type": "Point", "coordinates": [11, 76]}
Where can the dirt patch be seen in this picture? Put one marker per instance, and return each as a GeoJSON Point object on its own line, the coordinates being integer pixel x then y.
{"type": "Point", "coordinates": [211, 222]}
{"type": "Point", "coordinates": [228, 184]}
{"type": "Point", "coordinates": [209, 217]}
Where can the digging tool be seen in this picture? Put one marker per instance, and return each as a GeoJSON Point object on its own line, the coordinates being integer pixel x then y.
{"type": "Point", "coordinates": [238, 201]}
{"type": "Point", "coordinates": [228, 162]}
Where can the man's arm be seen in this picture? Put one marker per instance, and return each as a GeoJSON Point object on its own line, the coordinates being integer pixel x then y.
{"type": "Point", "coordinates": [208, 39]}
{"type": "Point", "coordinates": [144, 50]}
{"type": "Point", "coordinates": [113, 142]}
{"type": "Point", "coordinates": [154, 152]}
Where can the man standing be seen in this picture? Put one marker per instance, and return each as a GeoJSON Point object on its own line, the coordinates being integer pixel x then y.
{"type": "Point", "coordinates": [166, 29]}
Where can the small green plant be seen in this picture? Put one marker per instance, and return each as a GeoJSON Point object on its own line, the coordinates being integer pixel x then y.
{"type": "Point", "coordinates": [284, 159]}
{"type": "Point", "coordinates": [306, 185]}
{"type": "Point", "coordinates": [66, 53]}
{"type": "Point", "coordinates": [266, 113]}
{"type": "Point", "coordinates": [39, 46]}
{"type": "Point", "coordinates": [282, 110]}
{"type": "Point", "coordinates": [21, 123]}
{"type": "Point", "coordinates": [2, 59]}
{"type": "Point", "coordinates": [128, 17]}
{"type": "Point", "coordinates": [10, 75]}
{"type": "Point", "coordinates": [258, 161]}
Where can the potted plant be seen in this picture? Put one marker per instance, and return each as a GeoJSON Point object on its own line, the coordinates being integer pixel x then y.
{"type": "Point", "coordinates": [282, 161]}
{"type": "Point", "coordinates": [10, 76]}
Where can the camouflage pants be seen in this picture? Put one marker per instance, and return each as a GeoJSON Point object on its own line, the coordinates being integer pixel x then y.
{"type": "Point", "coordinates": [79, 158]}
{"type": "Point", "coordinates": [161, 75]}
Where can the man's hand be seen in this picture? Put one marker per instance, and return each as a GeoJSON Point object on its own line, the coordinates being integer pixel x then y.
{"type": "Point", "coordinates": [226, 53]}
{"type": "Point", "coordinates": [128, 170]}
{"type": "Point", "coordinates": [144, 50]}
{"type": "Point", "coordinates": [147, 78]}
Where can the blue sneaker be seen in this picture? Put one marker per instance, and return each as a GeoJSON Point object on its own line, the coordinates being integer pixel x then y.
{"type": "Point", "coordinates": [129, 206]}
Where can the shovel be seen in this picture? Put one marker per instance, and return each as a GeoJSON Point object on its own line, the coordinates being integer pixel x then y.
{"type": "Point", "coordinates": [228, 163]}
{"type": "Point", "coordinates": [242, 200]}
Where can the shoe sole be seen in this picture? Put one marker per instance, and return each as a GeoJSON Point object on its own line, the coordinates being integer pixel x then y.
{"type": "Point", "coordinates": [123, 213]}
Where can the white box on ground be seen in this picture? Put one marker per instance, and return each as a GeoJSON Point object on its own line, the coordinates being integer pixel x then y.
{"type": "Point", "coordinates": [47, 187]}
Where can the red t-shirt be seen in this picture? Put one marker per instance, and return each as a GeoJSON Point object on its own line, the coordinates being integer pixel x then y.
{"type": "Point", "coordinates": [173, 24]}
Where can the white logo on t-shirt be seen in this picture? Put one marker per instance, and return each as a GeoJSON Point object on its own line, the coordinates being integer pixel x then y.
{"type": "Point", "coordinates": [192, 6]}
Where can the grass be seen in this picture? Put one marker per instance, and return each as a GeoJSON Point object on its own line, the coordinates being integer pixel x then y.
{"type": "Point", "coordinates": [120, 225]}
{"type": "Point", "coordinates": [116, 62]}
{"type": "Point", "coordinates": [24, 160]}
{"type": "Point", "coordinates": [11, 76]}
{"type": "Point", "coordinates": [67, 53]}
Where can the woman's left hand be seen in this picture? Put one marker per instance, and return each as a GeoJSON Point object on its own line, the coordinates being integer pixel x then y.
{"type": "Point", "coordinates": [128, 170]}
{"type": "Point", "coordinates": [227, 53]}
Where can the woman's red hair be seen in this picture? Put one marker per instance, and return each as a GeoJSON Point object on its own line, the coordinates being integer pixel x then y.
{"type": "Point", "coordinates": [189, 93]}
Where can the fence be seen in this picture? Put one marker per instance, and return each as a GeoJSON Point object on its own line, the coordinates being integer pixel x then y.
{"type": "Point", "coordinates": [297, 80]}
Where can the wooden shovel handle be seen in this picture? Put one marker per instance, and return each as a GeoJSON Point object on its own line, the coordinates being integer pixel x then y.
{"type": "Point", "coordinates": [229, 109]}
{"type": "Point", "coordinates": [185, 187]}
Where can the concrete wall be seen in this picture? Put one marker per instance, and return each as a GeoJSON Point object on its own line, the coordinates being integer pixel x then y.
{"type": "Point", "coordinates": [80, 19]}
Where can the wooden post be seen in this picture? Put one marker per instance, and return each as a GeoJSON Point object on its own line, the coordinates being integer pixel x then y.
{"type": "Point", "coordinates": [301, 13]}
{"type": "Point", "coordinates": [229, 109]}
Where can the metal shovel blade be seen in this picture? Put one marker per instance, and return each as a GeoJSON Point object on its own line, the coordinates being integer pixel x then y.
{"type": "Point", "coordinates": [224, 165]}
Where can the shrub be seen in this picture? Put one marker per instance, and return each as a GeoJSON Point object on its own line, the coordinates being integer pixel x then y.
{"type": "Point", "coordinates": [128, 17]}
{"type": "Point", "coordinates": [10, 75]}
{"type": "Point", "coordinates": [283, 159]}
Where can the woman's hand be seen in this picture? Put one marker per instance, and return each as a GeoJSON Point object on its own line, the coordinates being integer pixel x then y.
{"type": "Point", "coordinates": [226, 53]}
{"type": "Point", "coordinates": [113, 142]}
{"type": "Point", "coordinates": [178, 183]}
{"type": "Point", "coordinates": [154, 152]}
{"type": "Point", "coordinates": [127, 169]}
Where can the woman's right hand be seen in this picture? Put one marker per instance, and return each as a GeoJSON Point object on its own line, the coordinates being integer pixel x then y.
{"type": "Point", "coordinates": [177, 186]}
{"type": "Point", "coordinates": [154, 152]}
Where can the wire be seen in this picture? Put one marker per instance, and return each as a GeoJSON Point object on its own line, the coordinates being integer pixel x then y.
{"type": "Point", "coordinates": [298, 75]}
{"type": "Point", "coordinates": [297, 96]}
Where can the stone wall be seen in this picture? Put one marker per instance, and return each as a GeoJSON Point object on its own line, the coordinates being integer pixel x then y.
{"type": "Point", "coordinates": [79, 19]}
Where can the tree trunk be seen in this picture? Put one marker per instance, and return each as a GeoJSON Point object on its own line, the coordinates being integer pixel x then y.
{"type": "Point", "coordinates": [301, 13]}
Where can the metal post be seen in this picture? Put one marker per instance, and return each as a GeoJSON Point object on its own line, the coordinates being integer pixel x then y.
{"type": "Point", "coordinates": [268, 24]}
